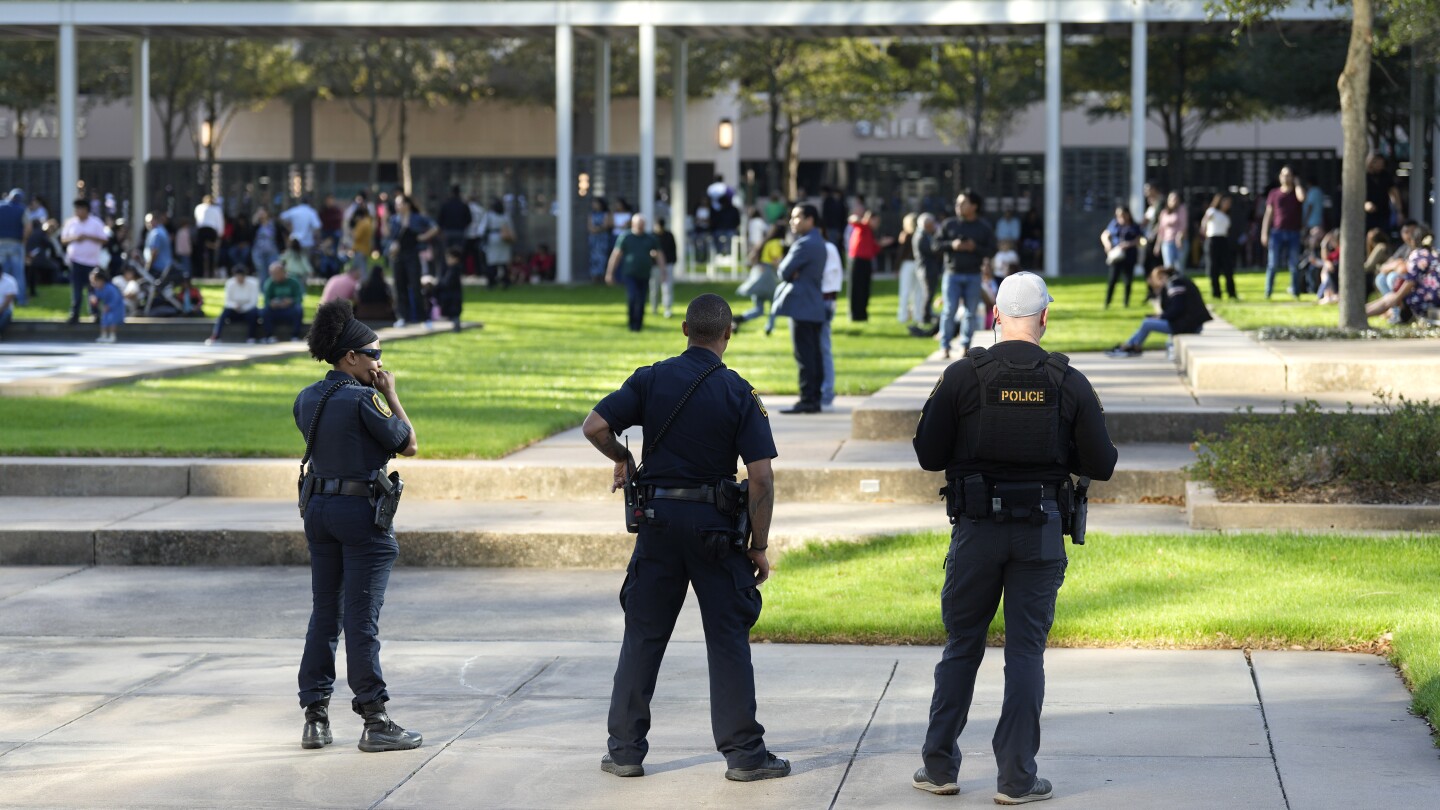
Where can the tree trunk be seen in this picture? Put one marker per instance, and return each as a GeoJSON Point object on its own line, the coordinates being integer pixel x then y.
{"type": "Point", "coordinates": [977, 112]}
{"type": "Point", "coordinates": [20, 134]}
{"type": "Point", "coordinates": [772, 165]}
{"type": "Point", "coordinates": [1354, 87]}
{"type": "Point", "coordinates": [404, 151]}
{"type": "Point", "coordinates": [792, 158]}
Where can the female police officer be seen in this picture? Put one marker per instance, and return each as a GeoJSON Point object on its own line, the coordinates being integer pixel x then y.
{"type": "Point", "coordinates": [354, 425]}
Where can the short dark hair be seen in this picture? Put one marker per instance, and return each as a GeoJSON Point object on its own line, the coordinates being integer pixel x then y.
{"type": "Point", "coordinates": [82, 203]}
{"type": "Point", "coordinates": [973, 196]}
{"type": "Point", "coordinates": [708, 316]}
{"type": "Point", "coordinates": [809, 212]}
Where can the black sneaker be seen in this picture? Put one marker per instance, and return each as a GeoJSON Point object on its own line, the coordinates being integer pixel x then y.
{"type": "Point", "coordinates": [772, 768]}
{"type": "Point", "coordinates": [922, 781]}
{"type": "Point", "coordinates": [1039, 793]}
{"type": "Point", "coordinates": [609, 765]}
{"type": "Point", "coordinates": [1122, 352]}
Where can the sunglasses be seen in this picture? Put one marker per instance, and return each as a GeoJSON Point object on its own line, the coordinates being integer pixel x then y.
{"type": "Point", "coordinates": [373, 354]}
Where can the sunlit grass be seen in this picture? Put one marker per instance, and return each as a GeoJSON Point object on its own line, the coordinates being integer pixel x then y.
{"type": "Point", "coordinates": [1320, 592]}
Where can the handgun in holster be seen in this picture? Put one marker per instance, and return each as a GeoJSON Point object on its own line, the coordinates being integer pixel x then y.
{"type": "Point", "coordinates": [306, 486]}
{"type": "Point", "coordinates": [1074, 509]}
{"type": "Point", "coordinates": [388, 489]}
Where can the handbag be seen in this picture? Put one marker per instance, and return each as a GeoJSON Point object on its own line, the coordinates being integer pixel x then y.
{"type": "Point", "coordinates": [1115, 256]}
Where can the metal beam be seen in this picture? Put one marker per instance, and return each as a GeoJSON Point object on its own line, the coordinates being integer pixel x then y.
{"type": "Point", "coordinates": [66, 94]}
{"type": "Point", "coordinates": [140, 134]}
{"type": "Point", "coordinates": [1053, 172]}
{"type": "Point", "coordinates": [564, 151]}
{"type": "Point", "coordinates": [678, 207]}
{"type": "Point", "coordinates": [1139, 64]}
{"type": "Point", "coordinates": [647, 122]}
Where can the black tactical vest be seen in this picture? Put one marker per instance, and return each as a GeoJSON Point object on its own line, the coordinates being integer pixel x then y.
{"type": "Point", "coordinates": [1020, 408]}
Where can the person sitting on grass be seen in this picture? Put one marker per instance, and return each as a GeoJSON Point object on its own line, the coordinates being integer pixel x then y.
{"type": "Point", "coordinates": [1181, 311]}
{"type": "Point", "coordinates": [1415, 292]}
{"type": "Point", "coordinates": [9, 291]}
{"type": "Point", "coordinates": [109, 302]}
{"type": "Point", "coordinates": [242, 302]}
{"type": "Point", "coordinates": [283, 299]}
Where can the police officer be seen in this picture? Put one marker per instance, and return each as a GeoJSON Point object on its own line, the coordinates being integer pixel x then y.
{"type": "Point", "coordinates": [685, 538]}
{"type": "Point", "coordinates": [1008, 425]}
{"type": "Point", "coordinates": [359, 427]}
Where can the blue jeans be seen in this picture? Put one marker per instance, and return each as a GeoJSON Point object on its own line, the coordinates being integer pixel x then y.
{"type": "Point", "coordinates": [1284, 248]}
{"type": "Point", "coordinates": [1147, 327]}
{"type": "Point", "coordinates": [956, 287]}
{"type": "Point", "coordinates": [274, 316]}
{"type": "Point", "coordinates": [350, 559]}
{"type": "Point", "coordinates": [79, 290]}
{"type": "Point", "coordinates": [5, 318]}
{"type": "Point", "coordinates": [1172, 255]}
{"type": "Point", "coordinates": [251, 319]}
{"type": "Point", "coordinates": [827, 357]}
{"type": "Point", "coordinates": [12, 261]}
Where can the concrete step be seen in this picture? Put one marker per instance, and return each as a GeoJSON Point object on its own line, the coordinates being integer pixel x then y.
{"type": "Point", "coordinates": [859, 472]}
{"type": "Point", "coordinates": [178, 329]}
{"type": "Point", "coordinates": [526, 534]}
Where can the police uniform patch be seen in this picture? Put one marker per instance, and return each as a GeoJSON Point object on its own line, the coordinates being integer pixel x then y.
{"type": "Point", "coordinates": [381, 405]}
{"type": "Point", "coordinates": [937, 387]}
{"type": "Point", "coordinates": [756, 395]}
{"type": "Point", "coordinates": [1021, 395]}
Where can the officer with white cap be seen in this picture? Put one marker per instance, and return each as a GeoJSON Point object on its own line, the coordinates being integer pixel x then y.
{"type": "Point", "coordinates": [1009, 425]}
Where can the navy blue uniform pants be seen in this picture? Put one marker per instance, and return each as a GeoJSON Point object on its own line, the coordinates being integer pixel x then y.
{"type": "Point", "coordinates": [666, 561]}
{"type": "Point", "coordinates": [350, 562]}
{"type": "Point", "coordinates": [1026, 564]}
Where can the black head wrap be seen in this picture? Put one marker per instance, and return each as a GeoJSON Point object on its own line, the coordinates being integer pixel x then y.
{"type": "Point", "coordinates": [356, 335]}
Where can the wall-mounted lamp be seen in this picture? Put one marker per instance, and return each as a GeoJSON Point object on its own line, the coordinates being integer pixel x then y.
{"type": "Point", "coordinates": [206, 134]}
{"type": "Point", "coordinates": [725, 134]}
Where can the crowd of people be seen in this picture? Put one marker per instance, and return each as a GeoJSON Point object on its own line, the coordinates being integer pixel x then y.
{"type": "Point", "coordinates": [388, 258]}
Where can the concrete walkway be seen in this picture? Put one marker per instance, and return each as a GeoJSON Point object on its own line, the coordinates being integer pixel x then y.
{"type": "Point", "coordinates": [152, 687]}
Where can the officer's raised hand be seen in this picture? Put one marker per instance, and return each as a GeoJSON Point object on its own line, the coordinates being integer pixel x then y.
{"type": "Point", "coordinates": [384, 381]}
{"type": "Point", "coordinates": [623, 472]}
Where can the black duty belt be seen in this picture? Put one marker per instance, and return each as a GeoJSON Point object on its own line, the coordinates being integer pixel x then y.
{"type": "Point", "coordinates": [342, 486]}
{"type": "Point", "coordinates": [705, 494]}
{"type": "Point", "coordinates": [1047, 491]}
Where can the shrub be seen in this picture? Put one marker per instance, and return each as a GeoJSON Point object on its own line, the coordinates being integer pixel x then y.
{"type": "Point", "coordinates": [1397, 445]}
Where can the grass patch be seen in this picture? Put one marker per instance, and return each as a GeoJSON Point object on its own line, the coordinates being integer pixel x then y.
{"type": "Point", "coordinates": [546, 356]}
{"type": "Point", "coordinates": [1268, 591]}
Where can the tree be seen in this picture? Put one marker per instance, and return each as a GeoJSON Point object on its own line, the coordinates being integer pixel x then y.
{"type": "Point", "coordinates": [975, 87]}
{"type": "Point", "coordinates": [1414, 18]}
{"type": "Point", "coordinates": [796, 82]}
{"type": "Point", "coordinates": [29, 86]}
{"type": "Point", "coordinates": [239, 74]}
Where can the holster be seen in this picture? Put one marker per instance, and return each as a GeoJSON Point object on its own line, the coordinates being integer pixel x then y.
{"type": "Point", "coordinates": [732, 499]}
{"type": "Point", "coordinates": [635, 506]}
{"type": "Point", "coordinates": [388, 490]}
{"type": "Point", "coordinates": [717, 543]}
{"type": "Point", "coordinates": [306, 486]}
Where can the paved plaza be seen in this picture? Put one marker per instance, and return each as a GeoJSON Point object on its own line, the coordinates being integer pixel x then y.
{"type": "Point", "coordinates": [166, 687]}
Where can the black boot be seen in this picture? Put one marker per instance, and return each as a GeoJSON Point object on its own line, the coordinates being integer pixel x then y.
{"type": "Point", "coordinates": [317, 725]}
{"type": "Point", "coordinates": [381, 733]}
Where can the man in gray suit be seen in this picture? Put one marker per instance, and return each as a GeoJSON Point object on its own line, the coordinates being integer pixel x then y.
{"type": "Point", "coordinates": [801, 301]}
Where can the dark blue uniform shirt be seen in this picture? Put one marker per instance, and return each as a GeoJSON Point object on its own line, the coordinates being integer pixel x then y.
{"type": "Point", "coordinates": [723, 419]}
{"type": "Point", "coordinates": [358, 433]}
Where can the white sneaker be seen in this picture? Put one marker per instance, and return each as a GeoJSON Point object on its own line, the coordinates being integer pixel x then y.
{"type": "Point", "coordinates": [209, 341]}
{"type": "Point", "coordinates": [399, 323]}
{"type": "Point", "coordinates": [101, 339]}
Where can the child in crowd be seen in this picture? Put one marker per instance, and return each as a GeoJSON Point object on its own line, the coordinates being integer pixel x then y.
{"type": "Point", "coordinates": [542, 264]}
{"type": "Point", "coordinates": [129, 286]}
{"type": "Point", "coordinates": [107, 299]}
{"type": "Point", "coordinates": [449, 297]}
{"type": "Point", "coordinates": [1005, 261]}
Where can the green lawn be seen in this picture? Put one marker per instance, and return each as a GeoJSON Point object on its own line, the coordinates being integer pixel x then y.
{"type": "Point", "coordinates": [1322, 592]}
{"type": "Point", "coordinates": [546, 355]}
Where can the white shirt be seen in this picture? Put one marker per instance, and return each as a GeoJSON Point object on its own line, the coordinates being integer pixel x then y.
{"type": "Point", "coordinates": [9, 290]}
{"type": "Point", "coordinates": [476, 228]}
{"type": "Point", "coordinates": [758, 227]}
{"type": "Point", "coordinates": [303, 222]}
{"type": "Point", "coordinates": [1005, 261]}
{"type": "Point", "coordinates": [209, 215]}
{"type": "Point", "coordinates": [84, 251]}
{"type": "Point", "coordinates": [242, 295]}
{"type": "Point", "coordinates": [1217, 223]}
{"type": "Point", "coordinates": [834, 276]}
{"type": "Point", "coordinates": [716, 192]}
{"type": "Point", "coordinates": [620, 222]}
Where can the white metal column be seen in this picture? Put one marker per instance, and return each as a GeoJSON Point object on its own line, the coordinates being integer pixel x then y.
{"type": "Point", "coordinates": [1052, 148]}
{"type": "Point", "coordinates": [1417, 137]}
{"type": "Point", "coordinates": [647, 122]}
{"type": "Point", "coordinates": [1139, 64]}
{"type": "Point", "coordinates": [140, 132]}
{"type": "Point", "coordinates": [564, 150]}
{"type": "Point", "coordinates": [678, 70]}
{"type": "Point", "coordinates": [66, 91]}
{"type": "Point", "coordinates": [602, 96]}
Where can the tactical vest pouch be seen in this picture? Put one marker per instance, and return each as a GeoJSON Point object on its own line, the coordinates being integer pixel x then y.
{"type": "Point", "coordinates": [977, 497]}
{"type": "Point", "coordinates": [954, 503]}
{"type": "Point", "coordinates": [1019, 502]}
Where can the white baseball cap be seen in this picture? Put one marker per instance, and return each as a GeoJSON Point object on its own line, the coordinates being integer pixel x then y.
{"type": "Point", "coordinates": [1022, 294]}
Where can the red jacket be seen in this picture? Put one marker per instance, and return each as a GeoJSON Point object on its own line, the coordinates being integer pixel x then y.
{"type": "Point", "coordinates": [862, 241]}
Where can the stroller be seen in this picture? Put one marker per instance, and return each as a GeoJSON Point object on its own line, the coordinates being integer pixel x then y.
{"type": "Point", "coordinates": [157, 291]}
